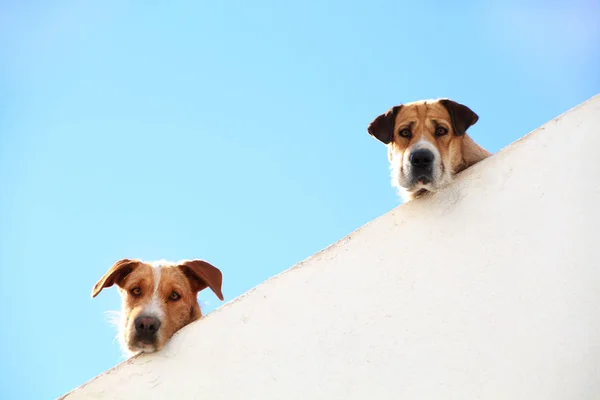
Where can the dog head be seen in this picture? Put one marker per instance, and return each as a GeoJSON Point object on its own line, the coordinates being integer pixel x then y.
{"type": "Point", "coordinates": [427, 143]}
{"type": "Point", "coordinates": [158, 298]}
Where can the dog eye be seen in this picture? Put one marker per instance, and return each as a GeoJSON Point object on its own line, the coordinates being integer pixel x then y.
{"type": "Point", "coordinates": [405, 133]}
{"type": "Point", "coordinates": [174, 296]}
{"type": "Point", "coordinates": [440, 131]}
{"type": "Point", "coordinates": [136, 291]}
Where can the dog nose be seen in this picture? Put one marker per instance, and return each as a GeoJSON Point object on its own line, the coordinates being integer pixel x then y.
{"type": "Point", "coordinates": [421, 158]}
{"type": "Point", "coordinates": [146, 325]}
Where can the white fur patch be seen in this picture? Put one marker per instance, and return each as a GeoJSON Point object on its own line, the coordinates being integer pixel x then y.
{"type": "Point", "coordinates": [155, 307]}
{"type": "Point", "coordinates": [426, 144]}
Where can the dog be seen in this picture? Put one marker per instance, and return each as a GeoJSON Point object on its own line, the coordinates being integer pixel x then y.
{"type": "Point", "coordinates": [158, 299]}
{"type": "Point", "coordinates": [427, 144]}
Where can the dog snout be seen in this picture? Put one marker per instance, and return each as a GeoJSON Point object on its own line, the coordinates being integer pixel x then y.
{"type": "Point", "coordinates": [421, 159]}
{"type": "Point", "coordinates": [146, 326]}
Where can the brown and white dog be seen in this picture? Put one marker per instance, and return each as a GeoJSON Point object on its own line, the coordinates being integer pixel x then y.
{"type": "Point", "coordinates": [158, 298]}
{"type": "Point", "coordinates": [427, 144]}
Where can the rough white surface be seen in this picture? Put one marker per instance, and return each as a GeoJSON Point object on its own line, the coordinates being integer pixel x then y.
{"type": "Point", "coordinates": [487, 290]}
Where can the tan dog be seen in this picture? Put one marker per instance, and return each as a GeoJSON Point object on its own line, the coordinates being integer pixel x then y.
{"type": "Point", "coordinates": [427, 144]}
{"type": "Point", "coordinates": [158, 298]}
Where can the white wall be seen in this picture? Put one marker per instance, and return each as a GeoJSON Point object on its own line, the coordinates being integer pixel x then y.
{"type": "Point", "coordinates": [487, 290]}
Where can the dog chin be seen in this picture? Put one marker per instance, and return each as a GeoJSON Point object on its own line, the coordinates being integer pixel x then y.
{"type": "Point", "coordinates": [420, 186]}
{"type": "Point", "coordinates": [138, 346]}
{"type": "Point", "coordinates": [405, 183]}
{"type": "Point", "coordinates": [409, 185]}
{"type": "Point", "coordinates": [143, 348]}
{"type": "Point", "coordinates": [416, 191]}
{"type": "Point", "coordinates": [413, 190]}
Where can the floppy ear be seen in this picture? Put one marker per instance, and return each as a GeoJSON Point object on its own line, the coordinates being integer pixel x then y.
{"type": "Point", "coordinates": [382, 127]}
{"type": "Point", "coordinates": [115, 274]}
{"type": "Point", "coordinates": [202, 275]}
{"type": "Point", "coordinates": [462, 116]}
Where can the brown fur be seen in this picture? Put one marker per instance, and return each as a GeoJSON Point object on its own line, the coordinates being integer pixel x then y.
{"type": "Point", "coordinates": [173, 301]}
{"type": "Point", "coordinates": [456, 150]}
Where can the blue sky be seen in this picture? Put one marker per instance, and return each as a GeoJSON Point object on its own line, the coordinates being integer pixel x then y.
{"type": "Point", "coordinates": [230, 131]}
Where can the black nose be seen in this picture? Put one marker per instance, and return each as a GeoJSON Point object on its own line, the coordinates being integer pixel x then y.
{"type": "Point", "coordinates": [421, 158]}
{"type": "Point", "coordinates": [146, 326]}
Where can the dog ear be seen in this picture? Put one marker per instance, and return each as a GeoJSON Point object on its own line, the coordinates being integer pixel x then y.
{"type": "Point", "coordinates": [462, 116]}
{"type": "Point", "coordinates": [382, 127]}
{"type": "Point", "coordinates": [115, 274]}
{"type": "Point", "coordinates": [202, 275]}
